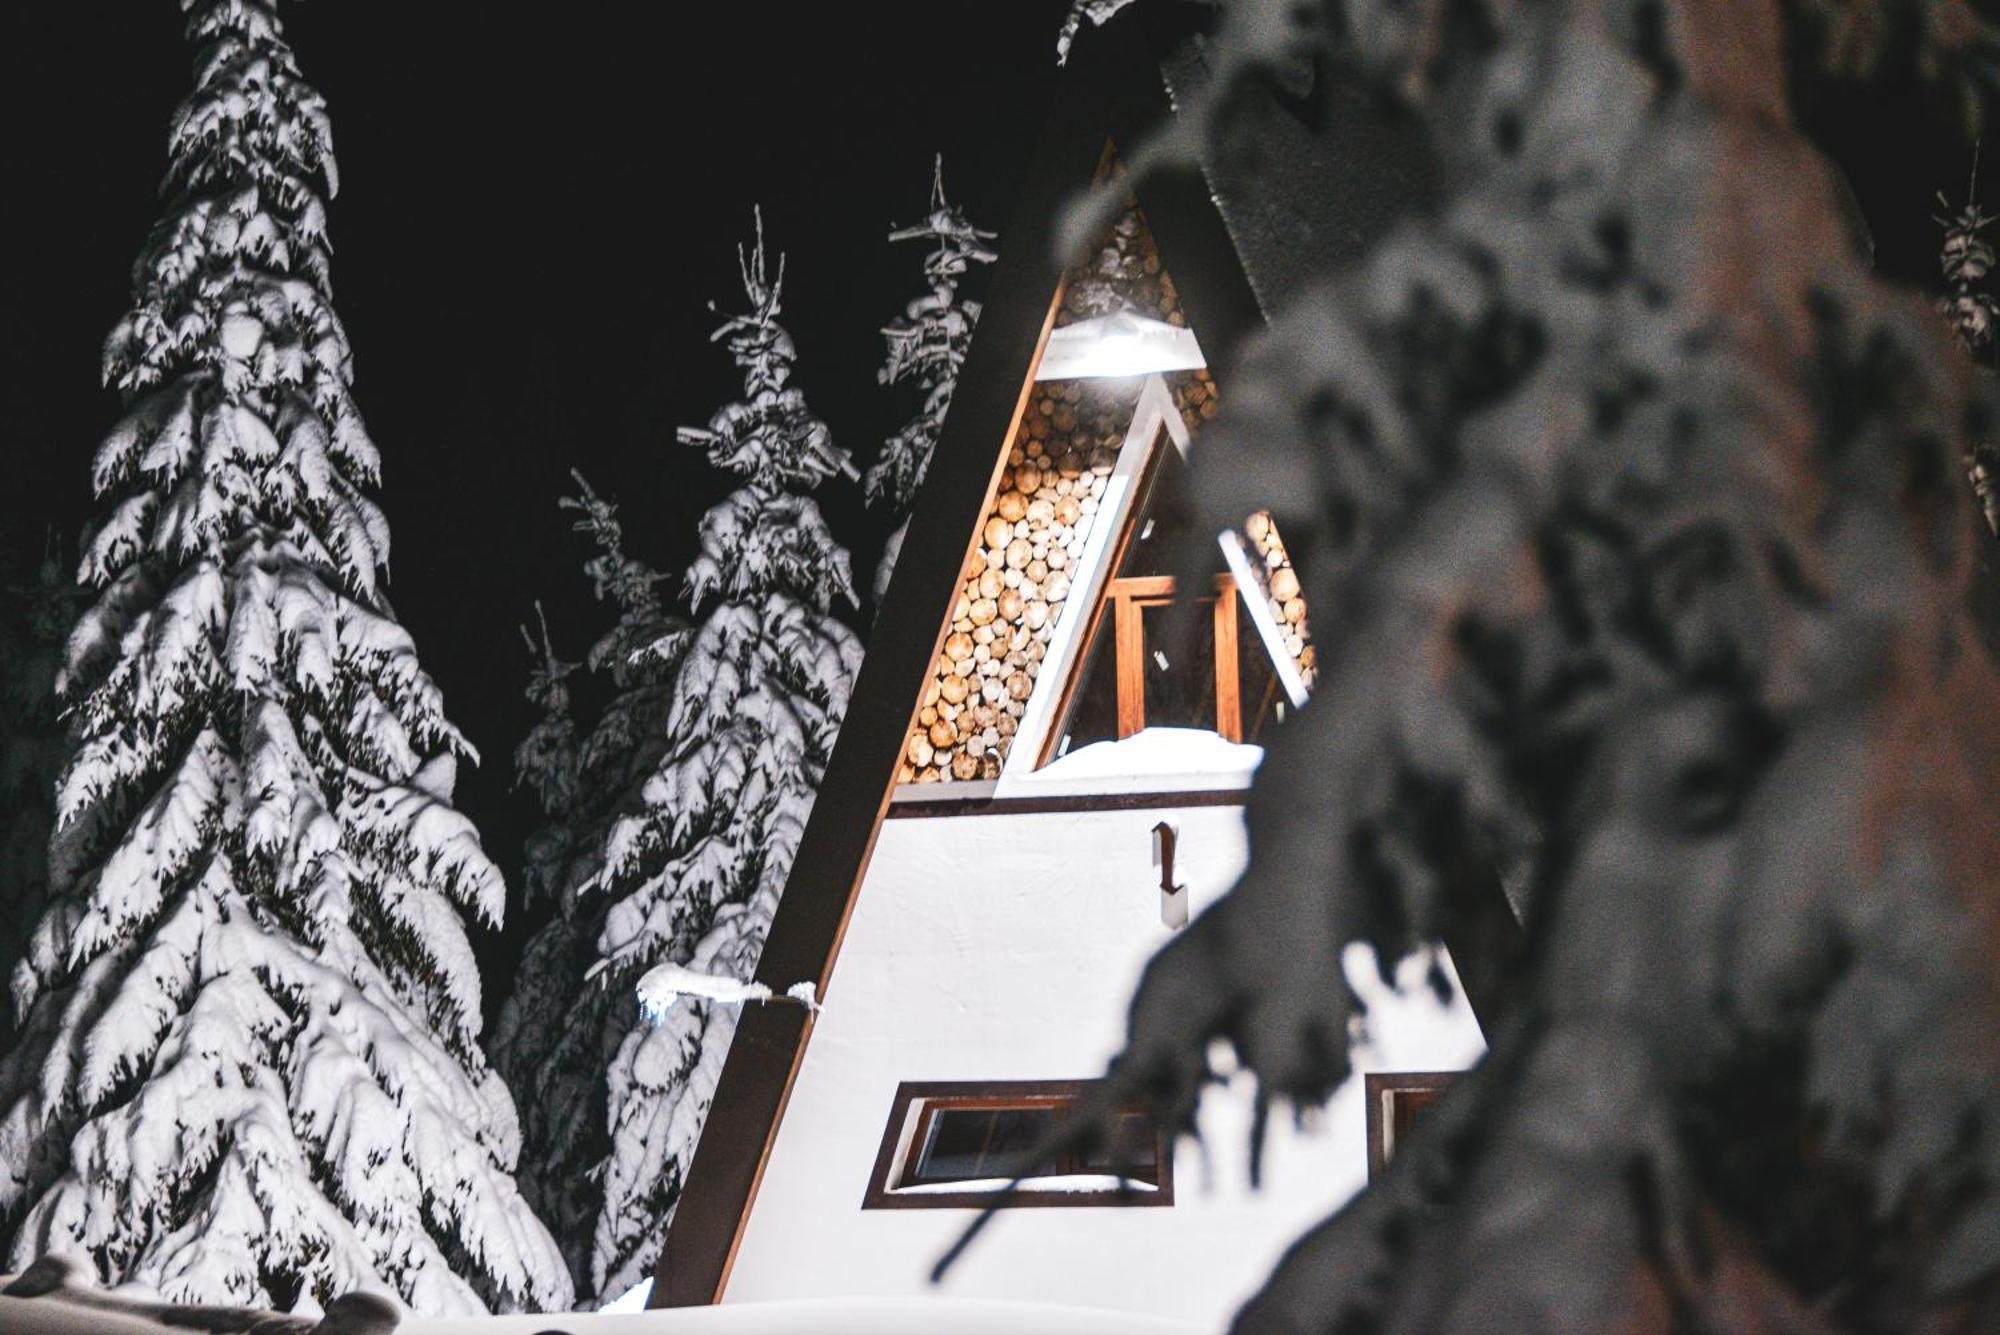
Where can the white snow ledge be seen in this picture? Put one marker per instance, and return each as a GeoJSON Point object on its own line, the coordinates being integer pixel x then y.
{"type": "Point", "coordinates": [1153, 760]}
{"type": "Point", "coordinates": [1078, 1184]}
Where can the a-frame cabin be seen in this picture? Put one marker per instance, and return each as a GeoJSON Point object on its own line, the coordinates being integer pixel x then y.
{"type": "Point", "coordinates": [1028, 766]}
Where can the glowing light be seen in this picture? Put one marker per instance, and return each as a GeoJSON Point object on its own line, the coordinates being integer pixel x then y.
{"type": "Point", "coordinates": [1122, 345]}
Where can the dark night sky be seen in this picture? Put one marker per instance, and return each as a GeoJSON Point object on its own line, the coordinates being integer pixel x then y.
{"type": "Point", "coordinates": [536, 205]}
{"type": "Point", "coordinates": [534, 213]}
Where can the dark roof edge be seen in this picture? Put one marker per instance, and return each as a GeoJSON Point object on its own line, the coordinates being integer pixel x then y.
{"type": "Point", "coordinates": [1307, 172]}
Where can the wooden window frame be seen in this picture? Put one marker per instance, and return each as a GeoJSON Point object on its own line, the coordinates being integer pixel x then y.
{"type": "Point", "coordinates": [1385, 1092]}
{"type": "Point", "coordinates": [1129, 598]}
{"type": "Point", "coordinates": [917, 1101]}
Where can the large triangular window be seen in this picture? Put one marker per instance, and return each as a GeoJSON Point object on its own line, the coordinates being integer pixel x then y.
{"type": "Point", "coordinates": [1143, 665]}
{"type": "Point", "coordinates": [1062, 633]}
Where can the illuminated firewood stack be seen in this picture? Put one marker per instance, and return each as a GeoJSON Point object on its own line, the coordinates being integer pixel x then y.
{"type": "Point", "coordinates": [1123, 272]}
{"type": "Point", "coordinates": [1017, 580]}
{"type": "Point", "coordinates": [1038, 520]}
{"type": "Point", "coordinates": [1281, 590]}
{"type": "Point", "coordinates": [1194, 395]}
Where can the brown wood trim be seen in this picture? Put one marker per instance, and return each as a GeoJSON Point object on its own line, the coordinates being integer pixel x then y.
{"type": "Point", "coordinates": [1129, 626]}
{"type": "Point", "coordinates": [1383, 1090]}
{"type": "Point", "coordinates": [1228, 690]}
{"type": "Point", "coordinates": [1058, 802]}
{"type": "Point", "coordinates": [798, 1053]}
{"type": "Point", "coordinates": [1144, 588]}
{"type": "Point", "coordinates": [1159, 590]}
{"type": "Point", "coordinates": [999, 1094]}
{"type": "Point", "coordinates": [1131, 595]}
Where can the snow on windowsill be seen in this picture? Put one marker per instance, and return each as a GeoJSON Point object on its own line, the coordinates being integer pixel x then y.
{"type": "Point", "coordinates": [1153, 760]}
{"type": "Point", "coordinates": [1069, 1184]}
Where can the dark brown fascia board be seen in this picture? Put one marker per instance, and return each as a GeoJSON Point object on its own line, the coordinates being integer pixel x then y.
{"type": "Point", "coordinates": [947, 807]}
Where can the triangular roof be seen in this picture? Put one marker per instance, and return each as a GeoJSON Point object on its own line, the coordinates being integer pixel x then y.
{"type": "Point", "coordinates": [1226, 235]}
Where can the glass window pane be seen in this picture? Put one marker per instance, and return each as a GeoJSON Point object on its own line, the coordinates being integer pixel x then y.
{"type": "Point", "coordinates": [1265, 708]}
{"type": "Point", "coordinates": [1093, 713]}
{"type": "Point", "coordinates": [1135, 1153]}
{"type": "Point", "coordinates": [1180, 670]}
{"type": "Point", "coordinates": [1407, 1106]}
{"type": "Point", "coordinates": [1166, 516]}
{"type": "Point", "coordinates": [1179, 673]}
{"type": "Point", "coordinates": [966, 1143]}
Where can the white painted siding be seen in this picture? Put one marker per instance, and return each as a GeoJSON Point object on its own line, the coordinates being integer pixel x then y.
{"type": "Point", "coordinates": [1007, 947]}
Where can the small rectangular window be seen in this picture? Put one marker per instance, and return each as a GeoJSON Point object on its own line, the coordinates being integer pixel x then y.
{"type": "Point", "coordinates": [960, 1143]}
{"type": "Point", "coordinates": [953, 1144]}
{"type": "Point", "coordinates": [1396, 1099]}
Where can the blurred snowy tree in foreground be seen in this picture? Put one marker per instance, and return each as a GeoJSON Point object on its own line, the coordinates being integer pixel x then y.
{"type": "Point", "coordinates": [560, 1028]}
{"type": "Point", "coordinates": [926, 345]}
{"type": "Point", "coordinates": [251, 1071]}
{"type": "Point", "coordinates": [695, 876]}
{"type": "Point", "coordinates": [1636, 502]}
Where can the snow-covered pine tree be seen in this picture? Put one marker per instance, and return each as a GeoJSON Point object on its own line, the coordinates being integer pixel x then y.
{"type": "Point", "coordinates": [695, 876]}
{"type": "Point", "coordinates": [251, 1073]}
{"type": "Point", "coordinates": [560, 1029]}
{"type": "Point", "coordinates": [1973, 314]}
{"type": "Point", "coordinates": [36, 612]}
{"type": "Point", "coordinates": [547, 760]}
{"type": "Point", "coordinates": [1094, 12]}
{"type": "Point", "coordinates": [926, 345]}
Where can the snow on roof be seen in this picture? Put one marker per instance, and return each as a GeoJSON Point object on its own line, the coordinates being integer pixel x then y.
{"type": "Point", "coordinates": [1147, 759]}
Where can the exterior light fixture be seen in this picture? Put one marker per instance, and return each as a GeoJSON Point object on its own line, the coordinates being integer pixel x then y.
{"type": "Point", "coordinates": [1118, 347]}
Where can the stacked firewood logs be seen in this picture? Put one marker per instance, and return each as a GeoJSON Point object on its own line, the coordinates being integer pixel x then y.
{"type": "Point", "coordinates": [1122, 272]}
{"type": "Point", "coordinates": [1017, 579]}
{"type": "Point", "coordinates": [1194, 395]}
{"type": "Point", "coordinates": [1281, 590]}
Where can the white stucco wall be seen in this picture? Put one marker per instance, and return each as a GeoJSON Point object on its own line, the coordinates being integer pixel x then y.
{"type": "Point", "coordinates": [1007, 947]}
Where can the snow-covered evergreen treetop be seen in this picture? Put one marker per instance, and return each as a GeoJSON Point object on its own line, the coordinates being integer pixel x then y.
{"type": "Point", "coordinates": [770, 436]}
{"type": "Point", "coordinates": [547, 760]}
{"type": "Point", "coordinates": [927, 344]}
{"type": "Point", "coordinates": [645, 636]}
{"type": "Point", "coordinates": [1094, 12]}
{"type": "Point", "coordinates": [251, 1073]}
{"type": "Point", "coordinates": [693, 877]}
{"type": "Point", "coordinates": [559, 1030]}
